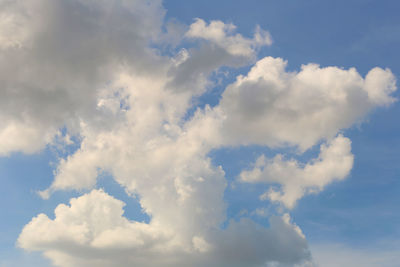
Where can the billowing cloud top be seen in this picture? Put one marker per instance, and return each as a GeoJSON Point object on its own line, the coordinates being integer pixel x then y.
{"type": "Point", "coordinates": [92, 70]}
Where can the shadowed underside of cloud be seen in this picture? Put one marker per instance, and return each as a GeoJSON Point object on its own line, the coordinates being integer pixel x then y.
{"type": "Point", "coordinates": [92, 231]}
{"type": "Point", "coordinates": [93, 68]}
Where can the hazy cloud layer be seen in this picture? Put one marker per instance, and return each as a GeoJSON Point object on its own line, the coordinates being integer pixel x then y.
{"type": "Point", "coordinates": [93, 70]}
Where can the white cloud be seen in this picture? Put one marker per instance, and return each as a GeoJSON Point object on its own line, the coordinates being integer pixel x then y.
{"type": "Point", "coordinates": [333, 163]}
{"type": "Point", "coordinates": [92, 231]}
{"type": "Point", "coordinates": [222, 35]}
{"type": "Point", "coordinates": [55, 55]}
{"type": "Point", "coordinates": [93, 67]}
{"type": "Point", "coordinates": [219, 46]}
{"type": "Point", "coordinates": [379, 84]}
{"type": "Point", "coordinates": [273, 107]}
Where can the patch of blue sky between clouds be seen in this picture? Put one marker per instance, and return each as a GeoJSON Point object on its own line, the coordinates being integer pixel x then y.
{"type": "Point", "coordinates": [21, 177]}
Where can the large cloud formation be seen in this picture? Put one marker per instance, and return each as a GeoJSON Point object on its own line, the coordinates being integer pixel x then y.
{"type": "Point", "coordinates": [98, 70]}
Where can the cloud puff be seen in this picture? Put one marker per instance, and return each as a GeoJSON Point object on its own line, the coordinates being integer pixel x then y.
{"type": "Point", "coordinates": [273, 107]}
{"type": "Point", "coordinates": [92, 231]}
{"type": "Point", "coordinates": [222, 35]}
{"type": "Point", "coordinates": [219, 46]}
{"type": "Point", "coordinates": [333, 163]}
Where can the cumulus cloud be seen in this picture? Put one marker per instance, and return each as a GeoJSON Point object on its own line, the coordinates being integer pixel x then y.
{"type": "Point", "coordinates": [93, 68]}
{"type": "Point", "coordinates": [78, 237]}
{"type": "Point", "coordinates": [55, 55]}
{"type": "Point", "coordinates": [220, 46]}
{"type": "Point", "coordinates": [222, 35]}
{"type": "Point", "coordinates": [273, 107]}
{"type": "Point", "coordinates": [333, 163]}
{"type": "Point", "coordinates": [167, 166]}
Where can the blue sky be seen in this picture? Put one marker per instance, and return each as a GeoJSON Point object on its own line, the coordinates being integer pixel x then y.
{"type": "Point", "coordinates": [356, 218]}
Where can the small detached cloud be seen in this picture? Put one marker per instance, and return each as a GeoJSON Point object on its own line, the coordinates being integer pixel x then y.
{"type": "Point", "coordinates": [333, 163]}
{"type": "Point", "coordinates": [222, 35]}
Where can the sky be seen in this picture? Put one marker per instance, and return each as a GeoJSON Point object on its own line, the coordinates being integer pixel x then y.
{"type": "Point", "coordinates": [199, 133]}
